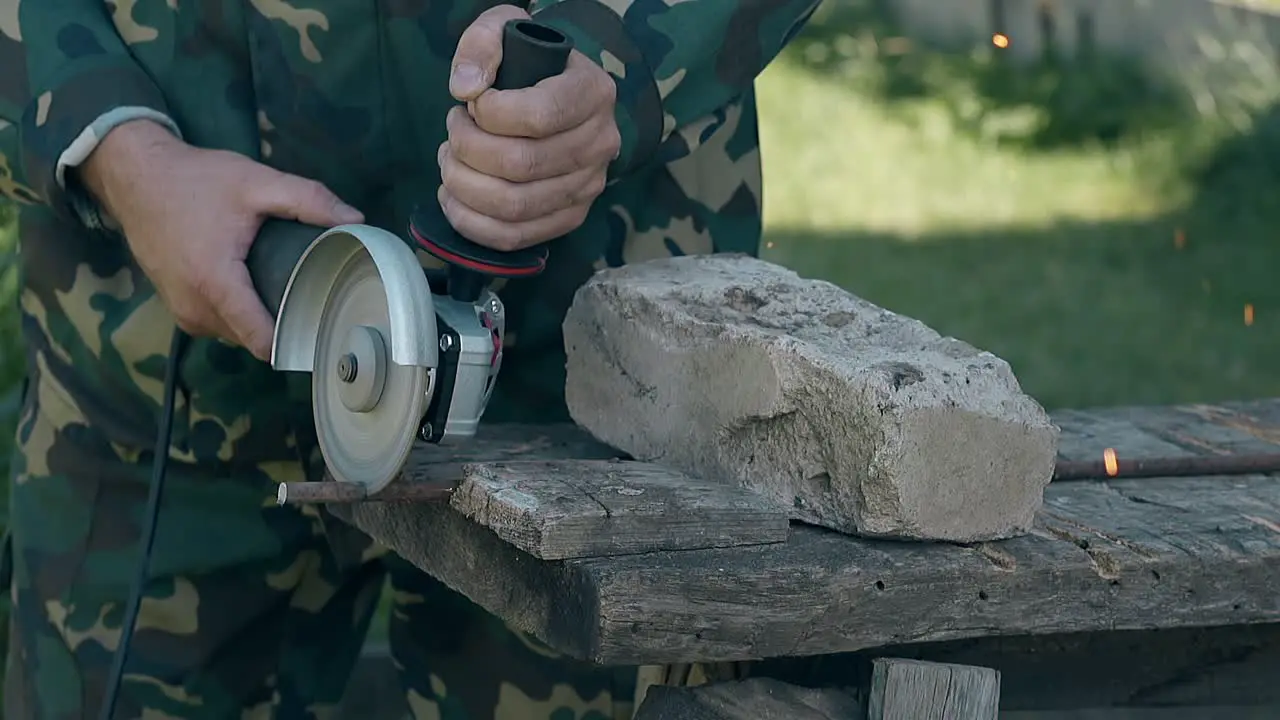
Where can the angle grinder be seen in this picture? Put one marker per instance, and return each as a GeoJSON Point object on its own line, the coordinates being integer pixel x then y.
{"type": "Point", "coordinates": [397, 353]}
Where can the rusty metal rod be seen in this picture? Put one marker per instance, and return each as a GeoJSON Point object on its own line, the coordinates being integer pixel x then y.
{"type": "Point", "coordinates": [303, 493]}
{"type": "Point", "coordinates": [1206, 465]}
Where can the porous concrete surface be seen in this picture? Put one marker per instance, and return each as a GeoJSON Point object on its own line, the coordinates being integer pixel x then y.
{"type": "Point", "coordinates": [857, 418]}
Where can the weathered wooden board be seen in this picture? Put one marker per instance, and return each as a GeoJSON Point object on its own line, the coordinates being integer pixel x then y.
{"type": "Point", "coordinates": [917, 690]}
{"type": "Point", "coordinates": [1145, 553]}
{"type": "Point", "coordinates": [556, 494]}
{"type": "Point", "coordinates": [753, 699]}
{"type": "Point", "coordinates": [557, 509]}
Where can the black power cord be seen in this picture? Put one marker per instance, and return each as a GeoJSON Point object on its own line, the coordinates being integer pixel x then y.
{"type": "Point", "coordinates": [177, 347]}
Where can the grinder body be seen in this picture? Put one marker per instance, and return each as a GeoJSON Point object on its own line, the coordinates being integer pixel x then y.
{"type": "Point", "coordinates": [397, 353]}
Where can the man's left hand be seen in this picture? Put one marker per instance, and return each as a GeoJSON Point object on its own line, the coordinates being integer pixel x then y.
{"type": "Point", "coordinates": [522, 167]}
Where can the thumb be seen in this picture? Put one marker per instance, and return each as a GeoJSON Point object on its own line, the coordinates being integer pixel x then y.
{"type": "Point", "coordinates": [291, 197]}
{"type": "Point", "coordinates": [479, 52]}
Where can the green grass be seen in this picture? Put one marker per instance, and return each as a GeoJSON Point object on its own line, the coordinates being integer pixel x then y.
{"type": "Point", "coordinates": [1031, 212]}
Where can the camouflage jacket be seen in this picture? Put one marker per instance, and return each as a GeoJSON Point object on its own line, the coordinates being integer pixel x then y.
{"type": "Point", "coordinates": [352, 93]}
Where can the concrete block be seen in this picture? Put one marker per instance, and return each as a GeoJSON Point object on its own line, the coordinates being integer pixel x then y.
{"type": "Point", "coordinates": [856, 418]}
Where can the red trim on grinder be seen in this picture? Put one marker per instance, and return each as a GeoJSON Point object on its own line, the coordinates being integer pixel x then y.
{"type": "Point", "coordinates": [496, 270]}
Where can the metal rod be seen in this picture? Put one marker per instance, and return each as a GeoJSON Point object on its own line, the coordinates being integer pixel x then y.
{"type": "Point", "coordinates": [303, 493]}
{"type": "Point", "coordinates": [1205, 465]}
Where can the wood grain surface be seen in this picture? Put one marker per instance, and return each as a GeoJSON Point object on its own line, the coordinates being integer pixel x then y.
{"type": "Point", "coordinates": [1104, 556]}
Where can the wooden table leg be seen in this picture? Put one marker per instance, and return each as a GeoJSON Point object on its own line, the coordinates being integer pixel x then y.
{"type": "Point", "coordinates": [917, 690]}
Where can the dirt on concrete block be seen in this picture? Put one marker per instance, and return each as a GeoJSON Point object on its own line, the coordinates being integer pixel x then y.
{"type": "Point", "coordinates": [856, 418]}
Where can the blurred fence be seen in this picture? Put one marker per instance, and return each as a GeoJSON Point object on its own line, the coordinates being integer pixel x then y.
{"type": "Point", "coordinates": [1166, 34]}
{"type": "Point", "coordinates": [1208, 45]}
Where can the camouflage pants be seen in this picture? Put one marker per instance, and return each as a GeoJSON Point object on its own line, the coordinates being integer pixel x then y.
{"type": "Point", "coordinates": [248, 613]}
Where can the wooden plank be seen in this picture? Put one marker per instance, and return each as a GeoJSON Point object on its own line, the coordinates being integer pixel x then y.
{"type": "Point", "coordinates": [1203, 563]}
{"type": "Point", "coordinates": [557, 509]}
{"type": "Point", "coordinates": [1137, 554]}
{"type": "Point", "coordinates": [498, 442]}
{"type": "Point", "coordinates": [916, 690]}
{"type": "Point", "coordinates": [1231, 429]}
{"type": "Point", "coordinates": [753, 699]}
{"type": "Point", "coordinates": [555, 493]}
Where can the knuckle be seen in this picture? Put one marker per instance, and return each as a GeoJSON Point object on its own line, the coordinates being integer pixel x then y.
{"type": "Point", "coordinates": [612, 140]}
{"type": "Point", "coordinates": [450, 209]}
{"type": "Point", "coordinates": [254, 338]}
{"type": "Point", "coordinates": [542, 117]}
{"type": "Point", "coordinates": [497, 16]}
{"type": "Point", "coordinates": [453, 121]}
{"type": "Point", "coordinates": [202, 286]}
{"type": "Point", "coordinates": [314, 192]}
{"type": "Point", "coordinates": [603, 87]}
{"type": "Point", "coordinates": [461, 139]}
{"type": "Point", "coordinates": [519, 163]}
{"type": "Point", "coordinates": [447, 174]}
{"type": "Point", "coordinates": [482, 33]}
{"type": "Point", "coordinates": [186, 316]}
{"type": "Point", "coordinates": [460, 147]}
{"type": "Point", "coordinates": [606, 140]}
{"type": "Point", "coordinates": [513, 206]}
{"type": "Point", "coordinates": [595, 186]}
{"type": "Point", "coordinates": [509, 238]}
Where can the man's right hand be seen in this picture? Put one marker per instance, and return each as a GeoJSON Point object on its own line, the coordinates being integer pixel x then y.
{"type": "Point", "coordinates": [190, 215]}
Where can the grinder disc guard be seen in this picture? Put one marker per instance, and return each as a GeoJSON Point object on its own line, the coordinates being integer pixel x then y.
{"type": "Point", "coordinates": [367, 408]}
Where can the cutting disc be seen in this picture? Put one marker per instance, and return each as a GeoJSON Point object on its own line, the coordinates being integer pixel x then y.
{"type": "Point", "coordinates": [367, 408]}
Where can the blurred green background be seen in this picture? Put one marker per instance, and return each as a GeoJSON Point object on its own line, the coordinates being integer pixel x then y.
{"type": "Point", "coordinates": [1115, 242]}
{"type": "Point", "coordinates": [1081, 220]}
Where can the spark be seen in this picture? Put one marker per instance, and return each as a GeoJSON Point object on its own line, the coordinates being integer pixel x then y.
{"type": "Point", "coordinates": [1248, 314]}
{"type": "Point", "coordinates": [1000, 40]}
{"type": "Point", "coordinates": [1110, 462]}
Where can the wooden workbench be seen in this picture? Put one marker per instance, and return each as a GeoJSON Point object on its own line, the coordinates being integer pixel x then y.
{"type": "Point", "coordinates": [1139, 554]}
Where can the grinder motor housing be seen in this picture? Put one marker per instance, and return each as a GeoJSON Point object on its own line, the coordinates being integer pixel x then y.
{"type": "Point", "coordinates": [396, 352]}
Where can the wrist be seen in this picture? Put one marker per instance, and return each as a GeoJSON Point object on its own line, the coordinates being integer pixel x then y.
{"type": "Point", "coordinates": [112, 168]}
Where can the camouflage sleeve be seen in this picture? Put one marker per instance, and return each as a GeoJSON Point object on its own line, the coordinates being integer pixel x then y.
{"type": "Point", "coordinates": [82, 82]}
{"type": "Point", "coordinates": [675, 63]}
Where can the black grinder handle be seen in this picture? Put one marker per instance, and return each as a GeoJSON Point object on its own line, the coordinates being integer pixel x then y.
{"type": "Point", "coordinates": [531, 52]}
{"type": "Point", "coordinates": [276, 250]}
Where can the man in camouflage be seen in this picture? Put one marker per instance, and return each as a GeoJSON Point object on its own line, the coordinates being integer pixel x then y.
{"type": "Point", "coordinates": [144, 140]}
